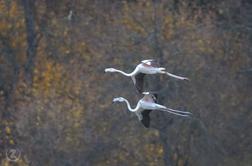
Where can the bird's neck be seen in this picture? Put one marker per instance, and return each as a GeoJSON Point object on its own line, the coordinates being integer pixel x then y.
{"type": "Point", "coordinates": [126, 74]}
{"type": "Point", "coordinates": [129, 107]}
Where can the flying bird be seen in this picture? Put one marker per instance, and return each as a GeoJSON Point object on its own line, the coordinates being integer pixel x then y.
{"type": "Point", "coordinates": [147, 104]}
{"type": "Point", "coordinates": [148, 66]}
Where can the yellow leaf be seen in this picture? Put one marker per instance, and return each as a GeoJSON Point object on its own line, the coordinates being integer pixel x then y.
{"type": "Point", "coordinates": [11, 142]}
{"type": "Point", "coordinates": [7, 130]}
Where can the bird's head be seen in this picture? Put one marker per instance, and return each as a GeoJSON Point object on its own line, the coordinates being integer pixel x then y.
{"type": "Point", "coordinates": [109, 70]}
{"type": "Point", "coordinates": [118, 99]}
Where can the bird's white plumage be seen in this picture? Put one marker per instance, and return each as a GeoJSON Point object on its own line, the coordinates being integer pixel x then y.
{"type": "Point", "coordinates": [144, 69]}
{"type": "Point", "coordinates": [147, 60]}
{"type": "Point", "coordinates": [144, 104]}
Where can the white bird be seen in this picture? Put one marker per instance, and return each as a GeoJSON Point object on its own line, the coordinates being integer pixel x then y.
{"type": "Point", "coordinates": [148, 66]}
{"type": "Point", "coordinates": [146, 105]}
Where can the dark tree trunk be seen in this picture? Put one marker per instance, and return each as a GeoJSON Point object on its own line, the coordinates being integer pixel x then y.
{"type": "Point", "coordinates": [32, 40]}
{"type": "Point", "coordinates": [7, 86]}
{"type": "Point", "coordinates": [160, 119]}
{"type": "Point", "coordinates": [9, 73]}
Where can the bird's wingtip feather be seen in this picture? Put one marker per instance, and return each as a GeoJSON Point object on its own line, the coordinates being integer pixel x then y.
{"type": "Point", "coordinates": [147, 60]}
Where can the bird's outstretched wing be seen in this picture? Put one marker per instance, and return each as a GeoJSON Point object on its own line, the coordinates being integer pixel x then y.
{"type": "Point", "coordinates": [150, 97]}
{"type": "Point", "coordinates": [147, 60]}
{"type": "Point", "coordinates": [154, 97]}
{"type": "Point", "coordinates": [146, 118]}
{"type": "Point", "coordinates": [150, 62]}
{"type": "Point", "coordinates": [139, 83]}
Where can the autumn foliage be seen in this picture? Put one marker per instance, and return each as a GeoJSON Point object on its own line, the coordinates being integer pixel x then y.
{"type": "Point", "coordinates": [56, 100]}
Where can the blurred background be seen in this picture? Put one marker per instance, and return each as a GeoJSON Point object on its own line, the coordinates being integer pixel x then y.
{"type": "Point", "coordinates": [56, 101]}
